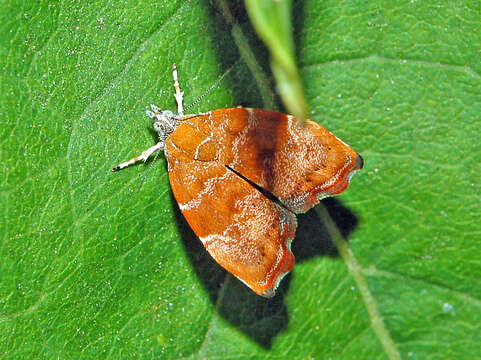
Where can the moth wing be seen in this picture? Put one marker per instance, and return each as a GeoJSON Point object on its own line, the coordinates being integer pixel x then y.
{"type": "Point", "coordinates": [245, 232]}
{"type": "Point", "coordinates": [296, 162]}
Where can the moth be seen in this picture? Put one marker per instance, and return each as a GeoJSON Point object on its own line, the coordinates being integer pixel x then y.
{"type": "Point", "coordinates": [241, 175]}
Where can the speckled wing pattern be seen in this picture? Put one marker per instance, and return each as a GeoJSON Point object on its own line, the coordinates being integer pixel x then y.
{"type": "Point", "coordinates": [211, 155]}
{"type": "Point", "coordinates": [299, 163]}
{"type": "Point", "coordinates": [245, 232]}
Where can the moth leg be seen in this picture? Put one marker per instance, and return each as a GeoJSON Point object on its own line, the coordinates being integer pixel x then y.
{"type": "Point", "coordinates": [178, 94]}
{"type": "Point", "coordinates": [142, 157]}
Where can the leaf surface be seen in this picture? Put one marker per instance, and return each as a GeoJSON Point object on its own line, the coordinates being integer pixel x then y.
{"type": "Point", "coordinates": [93, 267]}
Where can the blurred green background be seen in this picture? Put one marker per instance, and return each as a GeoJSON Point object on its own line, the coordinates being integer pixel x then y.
{"type": "Point", "coordinates": [92, 267]}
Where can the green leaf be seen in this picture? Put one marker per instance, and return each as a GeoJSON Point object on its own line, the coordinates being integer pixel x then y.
{"type": "Point", "coordinates": [93, 267]}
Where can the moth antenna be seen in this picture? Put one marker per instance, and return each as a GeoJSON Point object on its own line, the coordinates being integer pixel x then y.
{"type": "Point", "coordinates": [211, 88]}
{"type": "Point", "coordinates": [178, 94]}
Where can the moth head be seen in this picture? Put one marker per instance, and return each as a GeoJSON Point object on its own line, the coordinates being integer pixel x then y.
{"type": "Point", "coordinates": [165, 121]}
